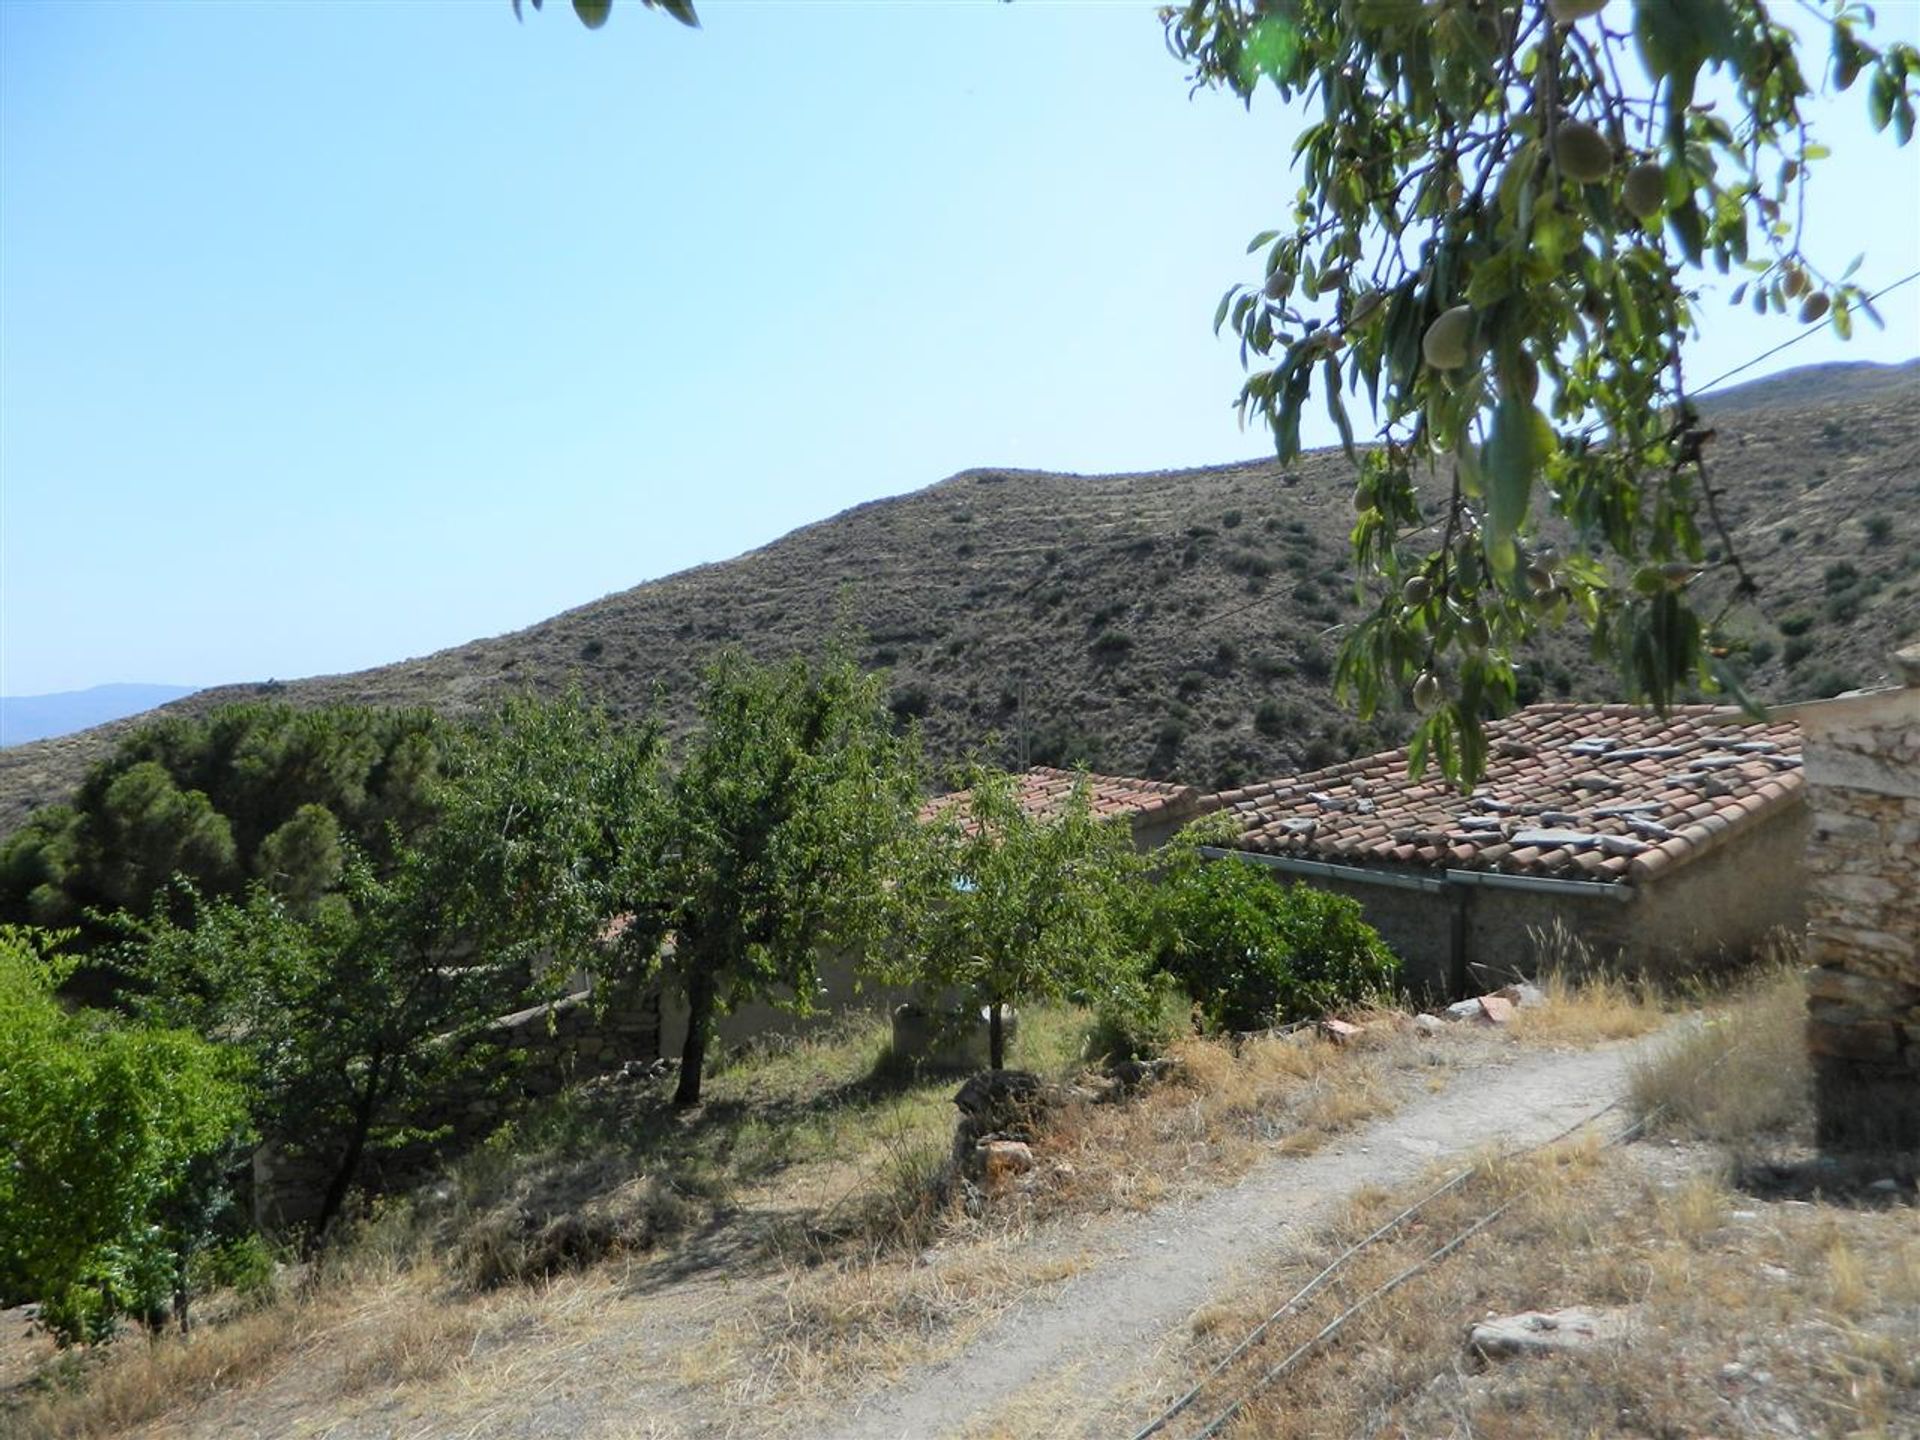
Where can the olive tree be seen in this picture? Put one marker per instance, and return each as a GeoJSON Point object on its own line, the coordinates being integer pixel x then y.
{"type": "Point", "coordinates": [1009, 906]}
{"type": "Point", "coordinates": [1503, 209]}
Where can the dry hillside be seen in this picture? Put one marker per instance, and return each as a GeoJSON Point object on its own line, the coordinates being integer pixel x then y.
{"type": "Point", "coordinates": [1178, 623]}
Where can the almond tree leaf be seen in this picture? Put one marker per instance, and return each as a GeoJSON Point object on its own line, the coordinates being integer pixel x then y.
{"type": "Point", "coordinates": [681, 10]}
{"type": "Point", "coordinates": [1518, 445]}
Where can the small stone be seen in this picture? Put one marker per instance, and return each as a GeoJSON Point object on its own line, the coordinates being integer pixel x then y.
{"type": "Point", "coordinates": [1497, 1008]}
{"type": "Point", "coordinates": [1885, 1185]}
{"type": "Point", "coordinates": [1523, 995]}
{"type": "Point", "coordinates": [1464, 1010]}
{"type": "Point", "coordinates": [1341, 1032]}
{"type": "Point", "coordinates": [1002, 1160]}
{"type": "Point", "coordinates": [1428, 1024]}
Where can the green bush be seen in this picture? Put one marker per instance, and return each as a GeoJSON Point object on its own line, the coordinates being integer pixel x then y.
{"type": "Point", "coordinates": [113, 1142]}
{"type": "Point", "coordinates": [1252, 952]}
{"type": "Point", "coordinates": [1142, 1024]}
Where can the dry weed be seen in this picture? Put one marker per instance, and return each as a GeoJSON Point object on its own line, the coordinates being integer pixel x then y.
{"type": "Point", "coordinates": [1739, 1077]}
{"type": "Point", "coordinates": [1745, 1316]}
{"type": "Point", "coordinates": [830, 1328]}
{"type": "Point", "coordinates": [1592, 1011]}
{"type": "Point", "coordinates": [128, 1385]}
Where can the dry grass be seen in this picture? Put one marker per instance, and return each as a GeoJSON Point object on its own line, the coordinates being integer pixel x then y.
{"type": "Point", "coordinates": [1746, 1315]}
{"type": "Point", "coordinates": [1819, 1304]}
{"type": "Point", "coordinates": [114, 1390]}
{"type": "Point", "coordinates": [831, 1329]}
{"type": "Point", "coordinates": [1741, 1077]}
{"type": "Point", "coordinates": [1594, 1011]}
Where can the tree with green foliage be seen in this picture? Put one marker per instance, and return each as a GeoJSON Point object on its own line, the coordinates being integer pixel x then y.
{"type": "Point", "coordinates": [1009, 907]}
{"type": "Point", "coordinates": [361, 1009]}
{"type": "Point", "coordinates": [772, 840]}
{"type": "Point", "coordinates": [1252, 951]}
{"type": "Point", "coordinates": [111, 1136]}
{"type": "Point", "coordinates": [1502, 211]}
{"type": "Point", "coordinates": [250, 793]}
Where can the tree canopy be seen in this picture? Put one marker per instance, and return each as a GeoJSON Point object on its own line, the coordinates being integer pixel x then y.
{"type": "Point", "coordinates": [361, 1010]}
{"type": "Point", "coordinates": [1009, 907]}
{"type": "Point", "coordinates": [251, 793]}
{"type": "Point", "coordinates": [101, 1123]}
{"type": "Point", "coordinates": [1502, 214]}
{"type": "Point", "coordinates": [772, 839]}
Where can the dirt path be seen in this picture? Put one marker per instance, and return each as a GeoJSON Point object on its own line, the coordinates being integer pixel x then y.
{"type": "Point", "coordinates": [1089, 1346]}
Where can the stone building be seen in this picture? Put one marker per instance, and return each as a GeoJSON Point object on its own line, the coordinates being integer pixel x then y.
{"type": "Point", "coordinates": [1663, 842]}
{"type": "Point", "coordinates": [1863, 931]}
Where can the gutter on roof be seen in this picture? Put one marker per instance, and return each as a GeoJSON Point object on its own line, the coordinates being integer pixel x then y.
{"type": "Point", "coordinates": [1431, 884]}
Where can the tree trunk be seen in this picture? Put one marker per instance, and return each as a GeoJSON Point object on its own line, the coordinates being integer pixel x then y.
{"type": "Point", "coordinates": [996, 1036]}
{"type": "Point", "coordinates": [693, 1054]}
{"type": "Point", "coordinates": [182, 1291]}
{"type": "Point", "coordinates": [349, 1166]}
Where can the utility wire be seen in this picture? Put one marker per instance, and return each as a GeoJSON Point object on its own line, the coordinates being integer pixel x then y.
{"type": "Point", "coordinates": [1277, 1372]}
{"type": "Point", "coordinates": [1796, 339]}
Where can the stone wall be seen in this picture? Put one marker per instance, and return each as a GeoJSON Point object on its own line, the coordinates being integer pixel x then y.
{"type": "Point", "coordinates": [1863, 934]}
{"type": "Point", "coordinates": [1710, 914]}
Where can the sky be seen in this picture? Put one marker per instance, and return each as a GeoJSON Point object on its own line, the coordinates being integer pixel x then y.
{"type": "Point", "coordinates": [336, 333]}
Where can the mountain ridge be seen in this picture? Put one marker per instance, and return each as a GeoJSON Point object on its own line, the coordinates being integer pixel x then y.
{"type": "Point", "coordinates": [1174, 623]}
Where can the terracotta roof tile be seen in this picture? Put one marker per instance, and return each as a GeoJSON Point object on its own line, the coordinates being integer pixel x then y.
{"type": "Point", "coordinates": [1631, 792]}
{"type": "Point", "coordinates": [1043, 791]}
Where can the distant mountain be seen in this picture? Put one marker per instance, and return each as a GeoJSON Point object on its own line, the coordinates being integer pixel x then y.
{"type": "Point", "coordinates": [1178, 624]}
{"type": "Point", "coordinates": [41, 717]}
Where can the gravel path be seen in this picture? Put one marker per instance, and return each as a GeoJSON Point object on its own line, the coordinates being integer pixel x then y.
{"type": "Point", "coordinates": [1091, 1338]}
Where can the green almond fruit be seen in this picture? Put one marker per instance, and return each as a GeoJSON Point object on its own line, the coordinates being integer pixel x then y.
{"type": "Point", "coordinates": [1813, 307]}
{"type": "Point", "coordinates": [1444, 346]}
{"type": "Point", "coordinates": [1645, 191]}
{"type": "Point", "coordinates": [1582, 153]}
{"type": "Point", "coordinates": [1417, 591]}
{"type": "Point", "coordinates": [1426, 693]}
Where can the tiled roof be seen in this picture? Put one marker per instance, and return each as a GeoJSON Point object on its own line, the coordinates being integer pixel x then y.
{"type": "Point", "coordinates": [1608, 793]}
{"type": "Point", "coordinates": [1043, 791]}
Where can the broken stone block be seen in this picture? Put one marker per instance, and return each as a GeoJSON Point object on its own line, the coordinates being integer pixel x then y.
{"type": "Point", "coordinates": [1341, 1032]}
{"type": "Point", "coordinates": [1001, 1161]}
{"type": "Point", "coordinates": [1545, 1332]}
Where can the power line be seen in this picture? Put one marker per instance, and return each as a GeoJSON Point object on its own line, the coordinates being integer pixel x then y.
{"type": "Point", "coordinates": [1796, 339]}
{"type": "Point", "coordinates": [1275, 1373]}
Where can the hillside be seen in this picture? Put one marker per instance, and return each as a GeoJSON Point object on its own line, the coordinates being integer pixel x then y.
{"type": "Point", "coordinates": [1177, 623]}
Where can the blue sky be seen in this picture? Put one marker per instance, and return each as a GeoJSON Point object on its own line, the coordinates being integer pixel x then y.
{"type": "Point", "coordinates": [333, 333]}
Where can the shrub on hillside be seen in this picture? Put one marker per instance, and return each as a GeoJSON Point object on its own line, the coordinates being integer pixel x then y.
{"type": "Point", "coordinates": [114, 1140]}
{"type": "Point", "coordinates": [1252, 952]}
